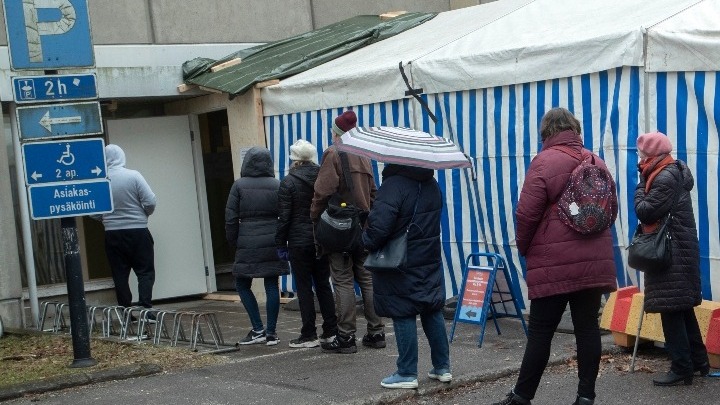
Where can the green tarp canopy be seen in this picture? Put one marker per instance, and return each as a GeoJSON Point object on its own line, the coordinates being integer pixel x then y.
{"type": "Point", "coordinates": [279, 59]}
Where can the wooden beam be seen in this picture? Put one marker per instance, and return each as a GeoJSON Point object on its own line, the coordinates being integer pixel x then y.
{"type": "Point", "coordinates": [259, 117]}
{"type": "Point", "coordinates": [224, 65]}
{"type": "Point", "coordinates": [267, 83]}
{"type": "Point", "coordinates": [391, 14]}
{"type": "Point", "coordinates": [208, 89]}
{"type": "Point", "coordinates": [182, 88]}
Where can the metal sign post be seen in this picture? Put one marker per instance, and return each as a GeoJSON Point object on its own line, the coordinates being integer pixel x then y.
{"type": "Point", "coordinates": [49, 35]}
{"type": "Point", "coordinates": [76, 296]}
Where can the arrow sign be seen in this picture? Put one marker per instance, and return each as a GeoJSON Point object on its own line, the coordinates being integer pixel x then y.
{"type": "Point", "coordinates": [64, 161]}
{"type": "Point", "coordinates": [48, 122]}
{"type": "Point", "coordinates": [59, 120]}
{"type": "Point", "coordinates": [41, 89]}
{"type": "Point", "coordinates": [471, 314]}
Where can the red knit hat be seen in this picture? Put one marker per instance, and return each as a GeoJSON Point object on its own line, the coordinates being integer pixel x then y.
{"type": "Point", "coordinates": [345, 122]}
{"type": "Point", "coordinates": [654, 144]}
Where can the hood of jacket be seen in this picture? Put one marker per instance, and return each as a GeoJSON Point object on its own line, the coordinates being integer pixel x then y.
{"type": "Point", "coordinates": [257, 163]}
{"type": "Point", "coordinates": [114, 156]}
{"type": "Point", "coordinates": [568, 138]}
{"type": "Point", "coordinates": [306, 173]}
{"type": "Point", "coordinates": [411, 172]}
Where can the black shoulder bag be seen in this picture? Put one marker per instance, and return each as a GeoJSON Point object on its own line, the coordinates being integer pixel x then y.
{"type": "Point", "coordinates": [652, 252]}
{"type": "Point", "coordinates": [393, 256]}
{"type": "Point", "coordinates": [339, 228]}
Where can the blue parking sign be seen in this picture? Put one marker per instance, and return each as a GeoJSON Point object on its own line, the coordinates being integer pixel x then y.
{"type": "Point", "coordinates": [48, 34]}
{"type": "Point", "coordinates": [58, 200]}
{"type": "Point", "coordinates": [41, 89]}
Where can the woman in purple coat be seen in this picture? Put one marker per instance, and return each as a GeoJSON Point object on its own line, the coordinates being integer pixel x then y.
{"type": "Point", "coordinates": [563, 266]}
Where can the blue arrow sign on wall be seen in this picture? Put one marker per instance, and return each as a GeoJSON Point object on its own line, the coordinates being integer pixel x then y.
{"type": "Point", "coordinates": [59, 120]}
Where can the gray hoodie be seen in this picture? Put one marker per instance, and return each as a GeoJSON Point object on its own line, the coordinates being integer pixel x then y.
{"type": "Point", "coordinates": [133, 200]}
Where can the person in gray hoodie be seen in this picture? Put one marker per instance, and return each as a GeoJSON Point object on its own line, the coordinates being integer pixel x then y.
{"type": "Point", "coordinates": [128, 242]}
{"type": "Point", "coordinates": [251, 216]}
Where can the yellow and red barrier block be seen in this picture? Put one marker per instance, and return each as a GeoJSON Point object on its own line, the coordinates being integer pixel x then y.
{"type": "Point", "coordinates": [623, 309]}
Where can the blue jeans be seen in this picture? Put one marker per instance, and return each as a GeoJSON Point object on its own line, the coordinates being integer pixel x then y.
{"type": "Point", "coordinates": [406, 337]}
{"type": "Point", "coordinates": [272, 293]}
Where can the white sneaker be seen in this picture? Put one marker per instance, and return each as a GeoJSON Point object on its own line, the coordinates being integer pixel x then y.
{"type": "Point", "coordinates": [253, 337]}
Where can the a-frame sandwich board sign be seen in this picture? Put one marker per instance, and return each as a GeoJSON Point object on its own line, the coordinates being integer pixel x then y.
{"type": "Point", "coordinates": [481, 292]}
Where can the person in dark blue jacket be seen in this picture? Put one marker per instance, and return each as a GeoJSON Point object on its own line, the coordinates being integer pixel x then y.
{"type": "Point", "coordinates": [410, 198]}
{"type": "Point", "coordinates": [251, 215]}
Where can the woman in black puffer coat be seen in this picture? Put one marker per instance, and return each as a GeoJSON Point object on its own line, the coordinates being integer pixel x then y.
{"type": "Point", "coordinates": [250, 222]}
{"type": "Point", "coordinates": [675, 292]}
{"type": "Point", "coordinates": [411, 195]}
{"type": "Point", "coordinates": [295, 242]}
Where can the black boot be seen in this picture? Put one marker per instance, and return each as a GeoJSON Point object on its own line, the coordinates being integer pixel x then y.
{"type": "Point", "coordinates": [513, 399]}
{"type": "Point", "coordinates": [583, 401]}
{"type": "Point", "coordinates": [703, 369]}
{"type": "Point", "coordinates": [670, 378]}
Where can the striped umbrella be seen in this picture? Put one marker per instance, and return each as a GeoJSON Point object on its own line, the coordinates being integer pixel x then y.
{"type": "Point", "coordinates": [404, 146]}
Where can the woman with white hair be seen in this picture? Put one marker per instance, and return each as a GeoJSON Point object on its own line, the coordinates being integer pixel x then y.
{"type": "Point", "coordinates": [296, 243]}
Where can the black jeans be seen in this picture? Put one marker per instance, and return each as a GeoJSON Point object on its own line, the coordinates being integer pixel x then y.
{"type": "Point", "coordinates": [308, 270]}
{"type": "Point", "coordinates": [683, 341]}
{"type": "Point", "coordinates": [545, 315]}
{"type": "Point", "coordinates": [131, 249]}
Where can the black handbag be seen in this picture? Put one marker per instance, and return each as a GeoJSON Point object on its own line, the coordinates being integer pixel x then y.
{"type": "Point", "coordinates": [652, 252]}
{"type": "Point", "coordinates": [393, 255]}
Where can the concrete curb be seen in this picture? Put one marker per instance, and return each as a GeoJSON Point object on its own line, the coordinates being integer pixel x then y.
{"type": "Point", "coordinates": [74, 380]}
{"type": "Point", "coordinates": [394, 396]}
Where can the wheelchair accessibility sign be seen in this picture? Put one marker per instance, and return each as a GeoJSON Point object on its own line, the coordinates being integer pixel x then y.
{"type": "Point", "coordinates": [51, 162]}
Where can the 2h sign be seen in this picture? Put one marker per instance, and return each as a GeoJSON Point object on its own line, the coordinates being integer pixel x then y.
{"type": "Point", "coordinates": [48, 34]}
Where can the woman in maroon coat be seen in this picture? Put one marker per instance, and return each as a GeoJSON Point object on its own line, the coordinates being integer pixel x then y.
{"type": "Point", "coordinates": [563, 265]}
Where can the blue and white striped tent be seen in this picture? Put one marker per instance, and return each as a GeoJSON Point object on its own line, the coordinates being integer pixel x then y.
{"type": "Point", "coordinates": [623, 67]}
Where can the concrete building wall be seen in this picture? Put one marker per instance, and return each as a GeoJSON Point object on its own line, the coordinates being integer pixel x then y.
{"type": "Point", "coordinates": [120, 22]}
{"type": "Point", "coordinates": [326, 12]}
{"type": "Point", "coordinates": [222, 21]}
{"type": "Point", "coordinates": [10, 278]}
{"type": "Point", "coordinates": [229, 21]}
{"type": "Point", "coordinates": [456, 4]}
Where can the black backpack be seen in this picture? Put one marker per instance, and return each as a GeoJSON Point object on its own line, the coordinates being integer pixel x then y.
{"type": "Point", "coordinates": [339, 228]}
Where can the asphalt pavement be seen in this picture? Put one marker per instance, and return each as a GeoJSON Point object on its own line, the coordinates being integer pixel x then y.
{"type": "Point", "coordinates": [259, 374]}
